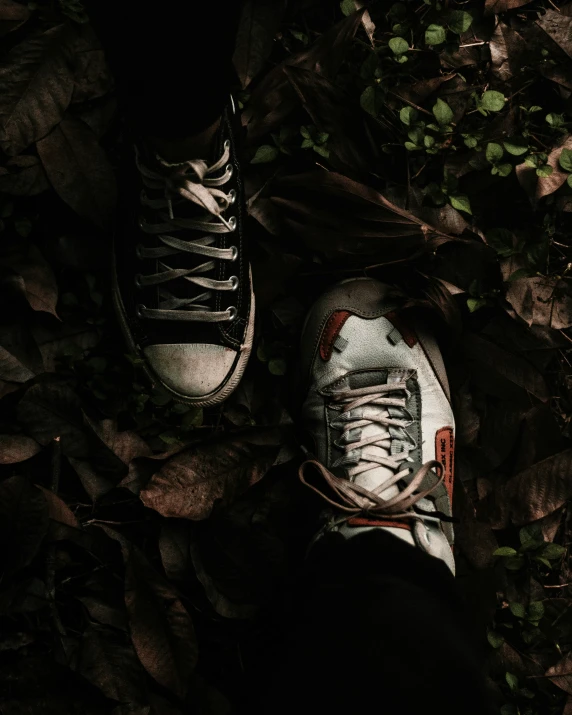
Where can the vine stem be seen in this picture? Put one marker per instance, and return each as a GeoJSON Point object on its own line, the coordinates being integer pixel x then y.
{"type": "Point", "coordinates": [51, 555]}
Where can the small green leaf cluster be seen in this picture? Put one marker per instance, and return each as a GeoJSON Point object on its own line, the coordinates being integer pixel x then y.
{"type": "Point", "coordinates": [533, 548]}
{"type": "Point", "coordinates": [448, 192]}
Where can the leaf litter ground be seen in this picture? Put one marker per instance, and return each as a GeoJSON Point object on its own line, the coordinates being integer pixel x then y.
{"type": "Point", "coordinates": [150, 548]}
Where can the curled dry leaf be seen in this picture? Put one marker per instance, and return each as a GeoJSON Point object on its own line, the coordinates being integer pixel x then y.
{"type": "Point", "coordinates": [58, 510]}
{"type": "Point", "coordinates": [561, 673]}
{"type": "Point", "coordinates": [79, 170]}
{"type": "Point", "coordinates": [190, 483]}
{"type": "Point", "coordinates": [16, 448]}
{"type": "Point", "coordinates": [506, 47]}
{"type": "Point", "coordinates": [259, 23]}
{"type": "Point", "coordinates": [36, 85]}
{"type": "Point", "coordinates": [23, 176]}
{"type": "Point", "coordinates": [12, 16]}
{"type": "Point", "coordinates": [532, 494]}
{"type": "Point", "coordinates": [498, 6]}
{"type": "Point", "coordinates": [542, 301]}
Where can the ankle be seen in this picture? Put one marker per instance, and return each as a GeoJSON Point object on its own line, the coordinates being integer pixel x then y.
{"type": "Point", "coordinates": [197, 146]}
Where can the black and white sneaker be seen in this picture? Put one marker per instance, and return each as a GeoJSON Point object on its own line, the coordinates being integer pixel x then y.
{"type": "Point", "coordinates": [182, 285]}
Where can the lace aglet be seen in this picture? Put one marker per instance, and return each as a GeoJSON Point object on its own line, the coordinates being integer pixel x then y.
{"type": "Point", "coordinates": [170, 205]}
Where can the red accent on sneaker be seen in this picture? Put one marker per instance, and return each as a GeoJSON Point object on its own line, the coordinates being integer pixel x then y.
{"type": "Point", "coordinates": [359, 521]}
{"type": "Point", "coordinates": [445, 453]}
{"type": "Point", "coordinates": [331, 332]}
{"type": "Point", "coordinates": [397, 321]}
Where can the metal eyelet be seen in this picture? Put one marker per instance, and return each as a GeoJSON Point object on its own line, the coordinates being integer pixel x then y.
{"type": "Point", "coordinates": [229, 170]}
{"type": "Point", "coordinates": [138, 248]}
{"type": "Point", "coordinates": [227, 144]}
{"type": "Point", "coordinates": [234, 250]}
{"type": "Point", "coordinates": [233, 312]}
{"type": "Point", "coordinates": [234, 281]}
{"type": "Point", "coordinates": [233, 221]}
{"type": "Point", "coordinates": [231, 196]}
{"type": "Point", "coordinates": [142, 223]}
{"type": "Point", "coordinates": [138, 281]}
{"type": "Point", "coordinates": [139, 310]}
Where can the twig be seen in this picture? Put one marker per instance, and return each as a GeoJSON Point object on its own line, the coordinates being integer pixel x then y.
{"type": "Point", "coordinates": [411, 104]}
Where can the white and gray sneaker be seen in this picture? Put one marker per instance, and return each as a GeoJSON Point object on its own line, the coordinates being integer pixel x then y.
{"type": "Point", "coordinates": [378, 412]}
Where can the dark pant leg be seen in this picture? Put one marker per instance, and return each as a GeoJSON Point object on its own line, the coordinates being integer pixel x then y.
{"type": "Point", "coordinates": [172, 60]}
{"type": "Point", "coordinates": [379, 629]}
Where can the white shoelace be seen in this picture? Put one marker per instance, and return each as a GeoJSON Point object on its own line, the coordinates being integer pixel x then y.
{"type": "Point", "coordinates": [188, 181]}
{"type": "Point", "coordinates": [352, 498]}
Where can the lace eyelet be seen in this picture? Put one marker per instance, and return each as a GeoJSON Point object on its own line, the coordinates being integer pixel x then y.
{"type": "Point", "coordinates": [142, 223]}
{"type": "Point", "coordinates": [229, 170]}
{"type": "Point", "coordinates": [234, 281]}
{"type": "Point", "coordinates": [231, 196]}
{"type": "Point", "coordinates": [138, 281]}
{"type": "Point", "coordinates": [139, 310]}
{"type": "Point", "coordinates": [233, 221]}
{"type": "Point", "coordinates": [233, 312]}
{"type": "Point", "coordinates": [234, 256]}
{"type": "Point", "coordinates": [138, 248]}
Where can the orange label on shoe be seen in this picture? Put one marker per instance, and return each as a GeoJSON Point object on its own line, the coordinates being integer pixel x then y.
{"type": "Point", "coordinates": [445, 453]}
{"type": "Point", "coordinates": [331, 332]}
{"type": "Point", "coordinates": [360, 521]}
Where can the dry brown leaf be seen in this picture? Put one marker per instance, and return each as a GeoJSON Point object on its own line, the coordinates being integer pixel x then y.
{"type": "Point", "coordinates": [497, 6]}
{"type": "Point", "coordinates": [558, 27]}
{"type": "Point", "coordinates": [79, 170]}
{"type": "Point", "coordinates": [36, 85]}
{"type": "Point", "coordinates": [16, 448]}
{"type": "Point", "coordinates": [561, 673]}
{"type": "Point", "coordinates": [542, 301]}
{"type": "Point", "coordinates": [23, 176]}
{"type": "Point", "coordinates": [40, 285]}
{"type": "Point", "coordinates": [549, 184]}
{"type": "Point", "coordinates": [12, 16]}
{"type": "Point", "coordinates": [58, 510]}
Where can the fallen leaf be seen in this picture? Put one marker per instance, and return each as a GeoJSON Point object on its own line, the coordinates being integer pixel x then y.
{"type": "Point", "coordinates": [36, 85]}
{"type": "Point", "coordinates": [558, 27]}
{"type": "Point", "coordinates": [174, 544]}
{"type": "Point", "coordinates": [107, 659]}
{"type": "Point", "coordinates": [23, 521]}
{"type": "Point", "coordinates": [11, 369]}
{"type": "Point", "coordinates": [79, 170]}
{"type": "Point", "coordinates": [532, 494]}
{"type": "Point", "coordinates": [259, 23]}
{"type": "Point", "coordinates": [498, 6]}
{"type": "Point", "coordinates": [58, 510]}
{"type": "Point", "coordinates": [507, 48]}
{"type": "Point", "coordinates": [190, 483]}
{"type": "Point", "coordinates": [16, 448]}
{"type": "Point", "coordinates": [12, 16]}
{"type": "Point", "coordinates": [542, 301]}
{"type": "Point", "coordinates": [161, 629]}
{"type": "Point", "coordinates": [561, 673]}
{"type": "Point", "coordinates": [40, 285]}
{"type": "Point", "coordinates": [23, 176]}
{"type": "Point", "coordinates": [549, 184]}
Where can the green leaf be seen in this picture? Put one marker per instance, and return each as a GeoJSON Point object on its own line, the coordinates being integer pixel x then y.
{"type": "Point", "coordinates": [416, 135]}
{"type": "Point", "coordinates": [555, 120]}
{"type": "Point", "coordinates": [509, 709]}
{"type": "Point", "coordinates": [494, 152]}
{"type": "Point", "coordinates": [410, 146]}
{"type": "Point", "coordinates": [347, 7]}
{"type": "Point", "coordinates": [461, 202]}
{"type": "Point", "coordinates": [501, 240]}
{"type": "Point", "coordinates": [517, 609]}
{"type": "Point", "coordinates": [569, 181]}
{"type": "Point", "coordinates": [471, 141]}
{"type": "Point", "coordinates": [428, 141]}
{"type": "Point", "coordinates": [505, 550]}
{"type": "Point", "coordinates": [322, 151]}
{"type": "Point", "coordinates": [535, 611]}
{"type": "Point", "coordinates": [302, 36]}
{"type": "Point", "coordinates": [277, 366]}
{"type": "Point", "coordinates": [305, 132]}
{"type": "Point", "coordinates": [369, 101]}
{"type": "Point", "coordinates": [516, 146]}
{"type": "Point", "coordinates": [265, 154]}
{"type": "Point", "coordinates": [514, 563]}
{"type": "Point", "coordinates": [442, 112]}
{"type": "Point", "coordinates": [307, 143]}
{"type": "Point", "coordinates": [565, 159]}
{"type": "Point", "coordinates": [504, 169]}
{"type": "Point", "coordinates": [408, 115]}
{"type": "Point", "coordinates": [398, 45]}
{"type": "Point", "coordinates": [474, 304]}
{"type": "Point", "coordinates": [518, 274]}
{"type": "Point", "coordinates": [492, 101]}
{"type": "Point", "coordinates": [322, 137]}
{"type": "Point", "coordinates": [541, 560]}
{"type": "Point", "coordinates": [512, 681]}
{"type": "Point", "coordinates": [495, 639]}
{"type": "Point", "coordinates": [544, 171]}
{"type": "Point", "coordinates": [553, 551]}
{"type": "Point", "coordinates": [435, 35]}
{"type": "Point", "coordinates": [459, 21]}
